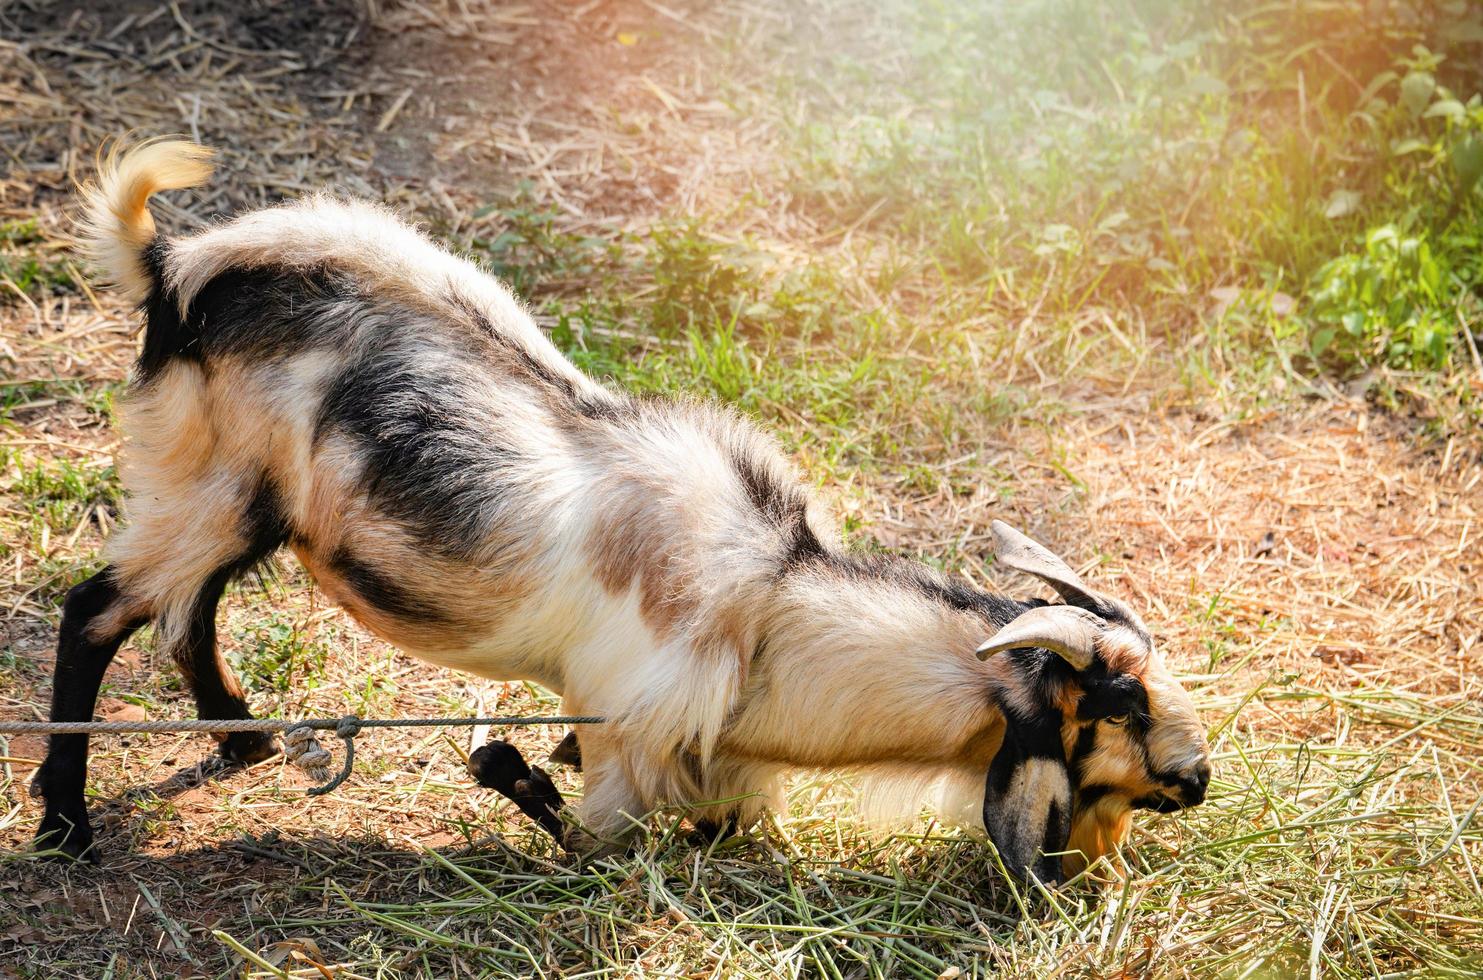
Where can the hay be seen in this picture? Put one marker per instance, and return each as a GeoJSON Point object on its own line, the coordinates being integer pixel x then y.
{"type": "Point", "coordinates": [1313, 569]}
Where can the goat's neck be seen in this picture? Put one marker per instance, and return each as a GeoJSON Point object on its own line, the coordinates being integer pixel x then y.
{"type": "Point", "coordinates": [872, 662]}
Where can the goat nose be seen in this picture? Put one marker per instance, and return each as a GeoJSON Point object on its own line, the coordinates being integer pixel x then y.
{"type": "Point", "coordinates": [1193, 784]}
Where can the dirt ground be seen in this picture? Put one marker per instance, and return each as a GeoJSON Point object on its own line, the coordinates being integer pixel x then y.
{"type": "Point", "coordinates": [1327, 546]}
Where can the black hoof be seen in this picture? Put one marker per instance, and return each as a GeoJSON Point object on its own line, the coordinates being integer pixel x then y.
{"type": "Point", "coordinates": [568, 753]}
{"type": "Point", "coordinates": [537, 789]}
{"type": "Point", "coordinates": [499, 766]}
{"type": "Point", "coordinates": [708, 832]}
{"type": "Point", "coordinates": [246, 748]}
{"type": "Point", "coordinates": [67, 836]}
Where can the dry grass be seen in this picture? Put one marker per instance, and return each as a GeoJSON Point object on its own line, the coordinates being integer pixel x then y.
{"type": "Point", "coordinates": [1312, 567]}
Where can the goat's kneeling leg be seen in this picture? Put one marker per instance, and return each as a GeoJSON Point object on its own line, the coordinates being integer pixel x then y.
{"type": "Point", "coordinates": [500, 766]}
{"type": "Point", "coordinates": [747, 788]}
{"type": "Point", "coordinates": [600, 824]}
{"type": "Point", "coordinates": [96, 619]}
{"type": "Point", "coordinates": [611, 807]}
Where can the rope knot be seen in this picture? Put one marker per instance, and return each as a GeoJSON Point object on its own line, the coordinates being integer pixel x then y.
{"type": "Point", "coordinates": [303, 749]}
{"type": "Point", "coordinates": [348, 727]}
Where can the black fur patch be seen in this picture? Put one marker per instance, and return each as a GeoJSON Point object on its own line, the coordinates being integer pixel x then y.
{"type": "Point", "coordinates": [956, 594]}
{"type": "Point", "coordinates": [710, 832]}
{"type": "Point", "coordinates": [804, 546]}
{"type": "Point", "coordinates": [165, 334]}
{"type": "Point", "coordinates": [1105, 696]}
{"type": "Point", "coordinates": [1026, 738]}
{"type": "Point", "coordinates": [593, 406]}
{"type": "Point", "coordinates": [780, 501]}
{"type": "Point", "coordinates": [859, 567]}
{"type": "Point", "coordinates": [1042, 672]}
{"type": "Point", "coordinates": [1171, 779]}
{"type": "Point", "coordinates": [264, 311]}
{"type": "Point", "coordinates": [264, 525]}
{"type": "Point", "coordinates": [1086, 741]}
{"type": "Point", "coordinates": [1087, 795]}
{"type": "Point", "coordinates": [91, 597]}
{"type": "Point", "coordinates": [1056, 822]}
{"type": "Point", "coordinates": [382, 592]}
{"type": "Point", "coordinates": [431, 459]}
{"type": "Point", "coordinates": [784, 505]}
{"type": "Point", "coordinates": [517, 353]}
{"type": "Point", "coordinates": [617, 408]}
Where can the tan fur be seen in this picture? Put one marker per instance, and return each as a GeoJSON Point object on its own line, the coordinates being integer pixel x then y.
{"type": "Point", "coordinates": [1097, 831]}
{"type": "Point", "coordinates": [117, 225]}
{"type": "Point", "coordinates": [838, 651]}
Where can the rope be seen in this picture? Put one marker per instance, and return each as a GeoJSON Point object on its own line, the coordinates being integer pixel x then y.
{"type": "Point", "coordinates": [270, 724]}
{"type": "Point", "coordinates": [304, 751]}
{"type": "Point", "coordinates": [300, 745]}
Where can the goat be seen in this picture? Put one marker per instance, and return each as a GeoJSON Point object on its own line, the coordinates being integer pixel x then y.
{"type": "Point", "coordinates": [320, 375]}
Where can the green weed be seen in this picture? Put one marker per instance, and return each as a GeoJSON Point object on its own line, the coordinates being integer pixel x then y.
{"type": "Point", "coordinates": [28, 264]}
{"type": "Point", "coordinates": [280, 657]}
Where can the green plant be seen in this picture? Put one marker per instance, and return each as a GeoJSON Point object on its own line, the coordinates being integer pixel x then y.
{"type": "Point", "coordinates": [1394, 303]}
{"type": "Point", "coordinates": [28, 263]}
{"type": "Point", "coordinates": [280, 657]}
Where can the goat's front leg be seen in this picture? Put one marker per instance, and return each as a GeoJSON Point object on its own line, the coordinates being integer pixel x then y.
{"type": "Point", "coordinates": [500, 766]}
{"type": "Point", "coordinates": [605, 816]}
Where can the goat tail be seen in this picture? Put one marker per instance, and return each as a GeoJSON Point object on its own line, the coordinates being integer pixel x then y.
{"type": "Point", "coordinates": [117, 227]}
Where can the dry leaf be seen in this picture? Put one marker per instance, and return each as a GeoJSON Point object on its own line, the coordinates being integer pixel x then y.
{"type": "Point", "coordinates": [125, 712]}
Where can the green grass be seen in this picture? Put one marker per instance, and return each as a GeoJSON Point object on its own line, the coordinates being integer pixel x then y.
{"type": "Point", "coordinates": [1310, 856]}
{"type": "Point", "coordinates": [1141, 154]}
{"type": "Point", "coordinates": [277, 656]}
{"type": "Point", "coordinates": [1259, 195]}
{"type": "Point", "coordinates": [1025, 212]}
{"type": "Point", "coordinates": [30, 264]}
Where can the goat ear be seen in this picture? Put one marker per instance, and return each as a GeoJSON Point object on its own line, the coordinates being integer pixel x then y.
{"type": "Point", "coordinates": [1018, 552]}
{"type": "Point", "coordinates": [1067, 630]}
{"type": "Point", "coordinates": [1027, 798]}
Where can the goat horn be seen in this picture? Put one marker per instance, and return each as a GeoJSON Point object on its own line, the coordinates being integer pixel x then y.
{"type": "Point", "coordinates": [1016, 551]}
{"type": "Point", "coordinates": [1065, 630]}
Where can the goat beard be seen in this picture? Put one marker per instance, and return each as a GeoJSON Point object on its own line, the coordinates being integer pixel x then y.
{"type": "Point", "coordinates": [1097, 831]}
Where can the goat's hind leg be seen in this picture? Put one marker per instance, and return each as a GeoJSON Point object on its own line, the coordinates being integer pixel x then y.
{"type": "Point", "coordinates": [156, 560]}
{"type": "Point", "coordinates": [217, 693]}
{"type": "Point", "coordinates": [228, 532]}
{"type": "Point", "coordinates": [97, 617]}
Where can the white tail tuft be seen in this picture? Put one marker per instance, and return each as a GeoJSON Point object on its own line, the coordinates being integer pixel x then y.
{"type": "Point", "coordinates": [117, 226]}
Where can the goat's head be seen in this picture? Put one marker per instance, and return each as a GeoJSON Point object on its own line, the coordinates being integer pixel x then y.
{"type": "Point", "coordinates": [1095, 724]}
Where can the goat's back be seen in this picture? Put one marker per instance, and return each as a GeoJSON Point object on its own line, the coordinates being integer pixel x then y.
{"type": "Point", "coordinates": [322, 373]}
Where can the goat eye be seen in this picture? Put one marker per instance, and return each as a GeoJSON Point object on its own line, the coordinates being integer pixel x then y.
{"type": "Point", "coordinates": [1116, 719]}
